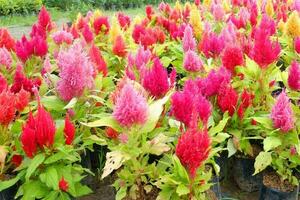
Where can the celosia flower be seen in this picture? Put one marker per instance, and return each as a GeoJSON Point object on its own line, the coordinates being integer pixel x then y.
{"type": "Point", "coordinates": [7, 107]}
{"type": "Point", "coordinates": [193, 149]}
{"type": "Point", "coordinates": [76, 72]}
{"type": "Point", "coordinates": [211, 44]}
{"type": "Point", "coordinates": [6, 40]}
{"type": "Point", "coordinates": [69, 130]}
{"type": "Point", "coordinates": [293, 24]}
{"type": "Point", "coordinates": [28, 137]}
{"type": "Point", "coordinates": [40, 46]}
{"type": "Point", "coordinates": [131, 107]}
{"type": "Point", "coordinates": [188, 41]}
{"type": "Point", "coordinates": [227, 99]}
{"type": "Point", "coordinates": [142, 57]}
{"type": "Point", "coordinates": [22, 100]}
{"type": "Point", "coordinates": [98, 60]}
{"type": "Point", "coordinates": [119, 47]}
{"type": "Point", "coordinates": [294, 76]}
{"type": "Point", "coordinates": [24, 48]}
{"type": "Point", "coordinates": [101, 24]}
{"type": "Point", "coordinates": [44, 19]}
{"type": "Point", "coordinates": [211, 85]}
{"type": "Point", "coordinates": [218, 11]}
{"type": "Point", "coordinates": [155, 80]}
{"type": "Point", "coordinates": [63, 185]}
{"type": "Point", "coordinates": [192, 62]}
{"type": "Point", "coordinates": [62, 36]}
{"type": "Point", "coordinates": [5, 58]}
{"type": "Point", "coordinates": [38, 31]}
{"type": "Point", "coordinates": [297, 45]}
{"type": "Point", "coordinates": [111, 133]}
{"type": "Point", "coordinates": [246, 99]}
{"type": "Point", "coordinates": [149, 11]}
{"type": "Point", "coordinates": [17, 160]}
{"type": "Point", "coordinates": [44, 128]}
{"type": "Point", "coordinates": [195, 21]}
{"type": "Point", "coordinates": [232, 57]}
{"type": "Point", "coordinates": [21, 81]}
{"type": "Point", "coordinates": [123, 138]}
{"type": "Point", "coordinates": [124, 20]}
{"type": "Point", "coordinates": [3, 83]}
{"type": "Point", "coordinates": [189, 105]}
{"type": "Point", "coordinates": [264, 51]}
{"type": "Point", "coordinates": [282, 114]}
{"type": "Point", "coordinates": [87, 33]}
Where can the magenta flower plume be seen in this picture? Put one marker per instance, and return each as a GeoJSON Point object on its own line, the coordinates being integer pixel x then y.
{"type": "Point", "coordinates": [227, 99]}
{"type": "Point", "coordinates": [76, 72]}
{"type": "Point", "coordinates": [211, 45]}
{"type": "Point", "coordinates": [294, 76]}
{"type": "Point", "coordinates": [232, 57]}
{"type": "Point", "coordinates": [264, 51]}
{"type": "Point", "coordinates": [297, 45]}
{"type": "Point", "coordinates": [192, 149]}
{"type": "Point", "coordinates": [192, 62]}
{"type": "Point", "coordinates": [189, 42]}
{"type": "Point", "coordinates": [282, 114]}
{"type": "Point", "coordinates": [131, 107]}
{"type": "Point", "coordinates": [155, 80]}
{"type": "Point", "coordinates": [142, 57]}
{"type": "Point", "coordinates": [189, 105]}
{"type": "Point", "coordinates": [62, 36]}
{"type": "Point", "coordinates": [211, 85]}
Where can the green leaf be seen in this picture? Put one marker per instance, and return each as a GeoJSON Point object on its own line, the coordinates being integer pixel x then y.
{"type": "Point", "coordinates": [265, 121]}
{"type": "Point", "coordinates": [230, 147]}
{"type": "Point", "coordinates": [155, 110]}
{"type": "Point", "coordinates": [121, 193]}
{"type": "Point", "coordinates": [34, 190]}
{"type": "Point", "coordinates": [7, 184]}
{"type": "Point", "coordinates": [35, 162]}
{"type": "Point", "coordinates": [182, 190]}
{"type": "Point", "coordinates": [108, 121]}
{"type": "Point", "coordinates": [52, 103]}
{"type": "Point", "coordinates": [52, 195]}
{"type": "Point", "coordinates": [220, 137]}
{"type": "Point", "coordinates": [82, 190]}
{"type": "Point", "coordinates": [271, 143]}
{"type": "Point", "coordinates": [263, 160]}
{"type": "Point", "coordinates": [50, 178]}
{"type": "Point", "coordinates": [71, 104]}
{"type": "Point", "coordinates": [220, 127]}
{"type": "Point", "coordinates": [95, 139]}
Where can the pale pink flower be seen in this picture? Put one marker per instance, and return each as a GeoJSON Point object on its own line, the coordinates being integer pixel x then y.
{"type": "Point", "coordinates": [282, 114]}
{"type": "Point", "coordinates": [5, 58]}
{"type": "Point", "coordinates": [218, 11]}
{"type": "Point", "coordinates": [188, 41]}
{"type": "Point", "coordinates": [192, 61]}
{"type": "Point", "coordinates": [131, 107]}
{"type": "Point", "coordinates": [76, 72]}
{"type": "Point", "coordinates": [62, 36]}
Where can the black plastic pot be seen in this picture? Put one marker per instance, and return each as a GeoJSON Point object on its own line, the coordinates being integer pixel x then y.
{"type": "Point", "coordinates": [216, 188]}
{"type": "Point", "coordinates": [222, 161]}
{"type": "Point", "coordinates": [243, 169]}
{"type": "Point", "coordinates": [9, 193]}
{"type": "Point", "coordinates": [267, 193]}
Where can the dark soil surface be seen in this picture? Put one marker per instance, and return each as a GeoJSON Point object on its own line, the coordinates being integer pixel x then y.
{"type": "Point", "coordinates": [272, 180]}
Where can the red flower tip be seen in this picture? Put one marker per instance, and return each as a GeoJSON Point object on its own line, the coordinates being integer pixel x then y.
{"type": "Point", "coordinates": [193, 149]}
{"type": "Point", "coordinates": [119, 47]}
{"type": "Point", "coordinates": [227, 99]}
{"type": "Point", "coordinates": [17, 160]}
{"type": "Point", "coordinates": [69, 130]}
{"type": "Point", "coordinates": [111, 133]}
{"type": "Point", "coordinates": [63, 185]}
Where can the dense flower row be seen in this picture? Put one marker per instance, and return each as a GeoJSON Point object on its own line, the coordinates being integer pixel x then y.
{"type": "Point", "coordinates": [203, 75]}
